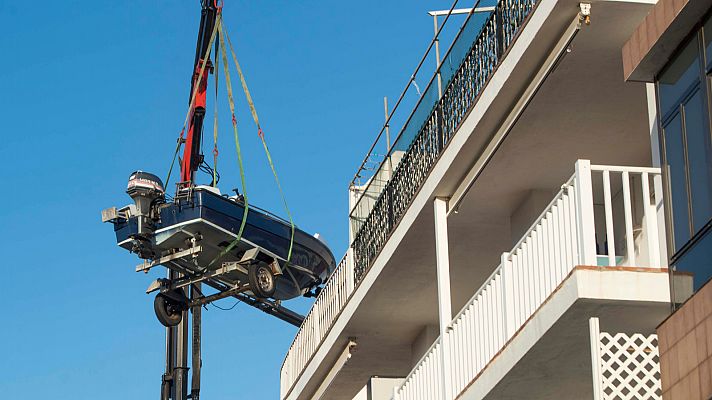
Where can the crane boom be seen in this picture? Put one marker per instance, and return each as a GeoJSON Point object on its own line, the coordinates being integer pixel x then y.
{"type": "Point", "coordinates": [191, 153]}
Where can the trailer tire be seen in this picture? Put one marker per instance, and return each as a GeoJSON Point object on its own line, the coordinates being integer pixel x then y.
{"type": "Point", "coordinates": [261, 280]}
{"type": "Point", "coordinates": [168, 311]}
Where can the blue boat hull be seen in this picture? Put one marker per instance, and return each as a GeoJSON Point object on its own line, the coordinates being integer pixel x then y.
{"type": "Point", "coordinates": [216, 220]}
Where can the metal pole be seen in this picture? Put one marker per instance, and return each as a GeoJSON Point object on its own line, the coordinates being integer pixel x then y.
{"type": "Point", "coordinates": [180, 372]}
{"type": "Point", "coordinates": [388, 141]}
{"type": "Point", "coordinates": [437, 56]}
{"type": "Point", "coordinates": [388, 133]}
{"type": "Point", "coordinates": [167, 378]}
{"type": "Point", "coordinates": [196, 358]}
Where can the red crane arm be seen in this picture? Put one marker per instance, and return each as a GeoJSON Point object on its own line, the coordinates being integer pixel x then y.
{"type": "Point", "coordinates": [191, 153]}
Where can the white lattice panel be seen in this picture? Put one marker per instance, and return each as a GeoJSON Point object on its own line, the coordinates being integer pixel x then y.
{"type": "Point", "coordinates": [629, 367]}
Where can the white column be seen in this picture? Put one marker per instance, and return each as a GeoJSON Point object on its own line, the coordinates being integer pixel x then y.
{"type": "Point", "coordinates": [594, 335]}
{"type": "Point", "coordinates": [584, 210]}
{"type": "Point", "coordinates": [444, 304]}
{"type": "Point", "coordinates": [657, 180]}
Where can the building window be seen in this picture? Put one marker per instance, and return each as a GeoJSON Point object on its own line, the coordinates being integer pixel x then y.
{"type": "Point", "coordinates": [699, 156]}
{"type": "Point", "coordinates": [684, 103]}
{"type": "Point", "coordinates": [694, 266]}
{"type": "Point", "coordinates": [677, 177]}
{"type": "Point", "coordinates": [679, 77]}
{"type": "Point", "coordinates": [707, 31]}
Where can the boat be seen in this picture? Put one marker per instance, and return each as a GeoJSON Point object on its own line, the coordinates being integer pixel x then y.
{"type": "Point", "coordinates": [201, 217]}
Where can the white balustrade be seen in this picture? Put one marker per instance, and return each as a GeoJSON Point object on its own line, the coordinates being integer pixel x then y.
{"type": "Point", "coordinates": [583, 217]}
{"type": "Point", "coordinates": [603, 215]}
{"type": "Point", "coordinates": [326, 308]}
{"type": "Point", "coordinates": [425, 380]}
{"type": "Point", "coordinates": [626, 229]}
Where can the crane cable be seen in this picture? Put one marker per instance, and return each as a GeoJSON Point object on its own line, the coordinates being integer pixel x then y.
{"type": "Point", "coordinates": [192, 98]}
{"type": "Point", "coordinates": [260, 133]}
{"type": "Point", "coordinates": [231, 100]}
{"type": "Point", "coordinates": [220, 29]}
{"type": "Point", "coordinates": [215, 125]}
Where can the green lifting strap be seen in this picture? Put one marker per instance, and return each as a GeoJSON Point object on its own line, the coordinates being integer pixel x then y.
{"type": "Point", "coordinates": [215, 126]}
{"type": "Point", "coordinates": [228, 84]}
{"type": "Point", "coordinates": [260, 133]}
{"type": "Point", "coordinates": [192, 100]}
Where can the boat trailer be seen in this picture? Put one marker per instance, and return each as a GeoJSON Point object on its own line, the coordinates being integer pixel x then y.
{"type": "Point", "coordinates": [179, 303]}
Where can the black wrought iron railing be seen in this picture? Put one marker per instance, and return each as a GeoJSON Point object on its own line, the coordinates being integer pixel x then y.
{"type": "Point", "coordinates": [388, 203]}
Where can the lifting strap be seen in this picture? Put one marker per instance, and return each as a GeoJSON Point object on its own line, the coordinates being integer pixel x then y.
{"type": "Point", "coordinates": [192, 97]}
{"type": "Point", "coordinates": [228, 84]}
{"type": "Point", "coordinates": [215, 125]}
{"type": "Point", "coordinates": [260, 133]}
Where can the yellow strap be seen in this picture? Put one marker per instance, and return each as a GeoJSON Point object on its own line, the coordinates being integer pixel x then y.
{"type": "Point", "coordinates": [215, 127]}
{"type": "Point", "coordinates": [192, 96]}
{"type": "Point", "coordinates": [253, 110]}
{"type": "Point", "coordinates": [244, 83]}
{"type": "Point", "coordinates": [170, 170]}
{"type": "Point", "coordinates": [231, 100]}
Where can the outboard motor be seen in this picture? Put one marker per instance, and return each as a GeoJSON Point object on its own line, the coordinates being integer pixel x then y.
{"type": "Point", "coordinates": [145, 189]}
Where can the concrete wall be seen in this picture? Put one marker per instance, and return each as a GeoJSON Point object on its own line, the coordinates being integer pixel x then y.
{"type": "Point", "coordinates": [658, 35]}
{"type": "Point", "coordinates": [685, 341]}
{"type": "Point", "coordinates": [426, 337]}
{"type": "Point", "coordinates": [528, 211]}
{"type": "Point", "coordinates": [378, 388]}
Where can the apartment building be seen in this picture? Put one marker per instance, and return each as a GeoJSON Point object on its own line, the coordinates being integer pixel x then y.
{"type": "Point", "coordinates": [672, 51]}
{"type": "Point", "coordinates": [508, 230]}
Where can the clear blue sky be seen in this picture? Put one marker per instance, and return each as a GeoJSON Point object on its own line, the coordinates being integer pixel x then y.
{"type": "Point", "coordinates": [94, 90]}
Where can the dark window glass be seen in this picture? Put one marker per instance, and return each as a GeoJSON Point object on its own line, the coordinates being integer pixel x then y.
{"type": "Point", "coordinates": [699, 154]}
{"type": "Point", "coordinates": [708, 41]}
{"type": "Point", "coordinates": [695, 263]}
{"type": "Point", "coordinates": [675, 157]}
{"type": "Point", "coordinates": [678, 77]}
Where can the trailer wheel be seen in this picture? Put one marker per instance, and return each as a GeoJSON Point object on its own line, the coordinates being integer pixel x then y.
{"type": "Point", "coordinates": [168, 311]}
{"type": "Point", "coordinates": [261, 280]}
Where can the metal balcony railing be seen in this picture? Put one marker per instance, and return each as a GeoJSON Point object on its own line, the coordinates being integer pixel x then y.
{"type": "Point", "coordinates": [385, 197]}
{"type": "Point", "coordinates": [579, 227]}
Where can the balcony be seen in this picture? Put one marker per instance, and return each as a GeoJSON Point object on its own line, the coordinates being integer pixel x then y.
{"type": "Point", "coordinates": [592, 252]}
{"type": "Point", "coordinates": [615, 366]}
{"type": "Point", "coordinates": [492, 94]}
{"type": "Point", "coordinates": [381, 202]}
{"type": "Point", "coordinates": [604, 219]}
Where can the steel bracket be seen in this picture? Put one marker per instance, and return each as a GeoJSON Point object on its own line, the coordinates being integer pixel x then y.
{"type": "Point", "coordinates": [146, 265]}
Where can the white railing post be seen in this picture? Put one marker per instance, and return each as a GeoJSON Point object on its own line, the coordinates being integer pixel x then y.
{"type": "Point", "coordinates": [659, 213]}
{"type": "Point", "coordinates": [315, 314]}
{"type": "Point", "coordinates": [584, 212]}
{"type": "Point", "coordinates": [508, 296]}
{"type": "Point", "coordinates": [628, 211]}
{"type": "Point", "coordinates": [608, 211]}
{"type": "Point", "coordinates": [444, 302]}
{"type": "Point", "coordinates": [651, 223]}
{"type": "Point", "coordinates": [349, 271]}
{"type": "Point", "coordinates": [594, 333]}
